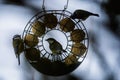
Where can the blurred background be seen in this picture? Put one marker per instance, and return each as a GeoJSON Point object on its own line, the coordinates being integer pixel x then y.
{"type": "Point", "coordinates": [103, 59]}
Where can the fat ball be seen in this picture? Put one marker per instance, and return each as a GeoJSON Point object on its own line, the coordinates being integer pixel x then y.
{"type": "Point", "coordinates": [67, 25]}
{"type": "Point", "coordinates": [78, 49]}
{"type": "Point", "coordinates": [32, 54]}
{"type": "Point", "coordinates": [71, 59]}
{"type": "Point", "coordinates": [50, 20]}
{"type": "Point", "coordinates": [77, 35]}
{"type": "Point", "coordinates": [38, 28]}
{"type": "Point", "coordinates": [31, 40]}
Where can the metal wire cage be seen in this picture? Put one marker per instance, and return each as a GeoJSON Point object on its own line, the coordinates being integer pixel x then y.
{"type": "Point", "coordinates": [56, 24]}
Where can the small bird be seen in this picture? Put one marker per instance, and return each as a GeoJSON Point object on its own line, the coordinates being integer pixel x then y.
{"type": "Point", "coordinates": [55, 46]}
{"type": "Point", "coordinates": [18, 46]}
{"type": "Point", "coordinates": [82, 14]}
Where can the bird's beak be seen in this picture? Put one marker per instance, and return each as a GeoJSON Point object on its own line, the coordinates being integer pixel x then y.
{"type": "Point", "coordinates": [72, 16]}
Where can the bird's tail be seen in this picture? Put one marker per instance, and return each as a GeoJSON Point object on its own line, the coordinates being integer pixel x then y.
{"type": "Point", "coordinates": [96, 15]}
{"type": "Point", "coordinates": [19, 60]}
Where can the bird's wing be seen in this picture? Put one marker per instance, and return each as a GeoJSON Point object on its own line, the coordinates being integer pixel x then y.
{"type": "Point", "coordinates": [15, 46]}
{"type": "Point", "coordinates": [21, 46]}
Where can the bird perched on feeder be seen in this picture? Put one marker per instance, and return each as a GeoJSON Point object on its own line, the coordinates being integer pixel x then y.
{"type": "Point", "coordinates": [55, 46]}
{"type": "Point", "coordinates": [82, 14]}
{"type": "Point", "coordinates": [18, 46]}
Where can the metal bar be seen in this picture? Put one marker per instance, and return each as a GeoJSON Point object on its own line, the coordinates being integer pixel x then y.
{"type": "Point", "coordinates": [65, 7]}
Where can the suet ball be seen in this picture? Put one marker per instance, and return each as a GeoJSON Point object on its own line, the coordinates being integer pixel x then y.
{"type": "Point", "coordinates": [32, 54]}
{"type": "Point", "coordinates": [67, 25]}
{"type": "Point", "coordinates": [38, 28]}
{"type": "Point", "coordinates": [31, 40]}
{"type": "Point", "coordinates": [71, 59]}
{"type": "Point", "coordinates": [77, 35]}
{"type": "Point", "coordinates": [78, 49]}
{"type": "Point", "coordinates": [50, 21]}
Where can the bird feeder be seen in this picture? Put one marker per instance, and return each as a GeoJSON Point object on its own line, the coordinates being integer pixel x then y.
{"type": "Point", "coordinates": [70, 33]}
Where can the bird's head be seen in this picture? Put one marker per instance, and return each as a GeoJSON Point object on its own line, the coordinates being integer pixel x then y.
{"type": "Point", "coordinates": [50, 40]}
{"type": "Point", "coordinates": [16, 37]}
{"type": "Point", "coordinates": [74, 15]}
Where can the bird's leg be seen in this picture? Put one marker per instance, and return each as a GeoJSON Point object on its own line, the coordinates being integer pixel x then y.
{"type": "Point", "coordinates": [78, 21]}
{"type": "Point", "coordinates": [53, 57]}
{"type": "Point", "coordinates": [59, 57]}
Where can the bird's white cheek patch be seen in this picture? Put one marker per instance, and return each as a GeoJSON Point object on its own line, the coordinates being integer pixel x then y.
{"type": "Point", "coordinates": [57, 35]}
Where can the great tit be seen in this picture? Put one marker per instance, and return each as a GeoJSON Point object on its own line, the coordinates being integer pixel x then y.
{"type": "Point", "coordinates": [18, 46]}
{"type": "Point", "coordinates": [55, 46]}
{"type": "Point", "coordinates": [82, 14]}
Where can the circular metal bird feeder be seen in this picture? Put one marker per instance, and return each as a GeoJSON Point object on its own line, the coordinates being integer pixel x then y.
{"type": "Point", "coordinates": [70, 33]}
